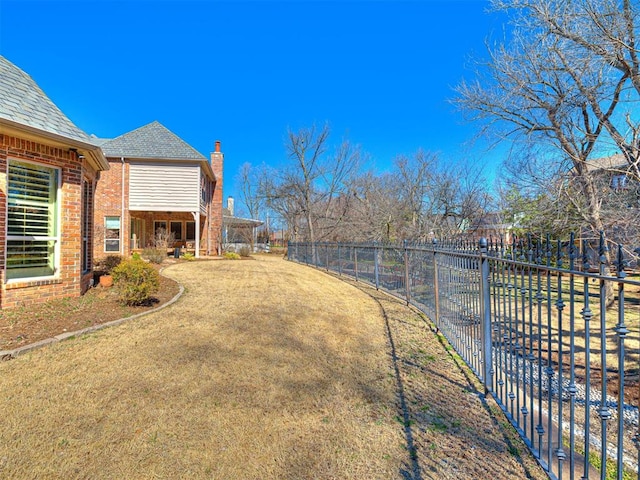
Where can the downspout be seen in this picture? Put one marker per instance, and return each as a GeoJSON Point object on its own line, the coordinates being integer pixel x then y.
{"type": "Point", "coordinates": [122, 211]}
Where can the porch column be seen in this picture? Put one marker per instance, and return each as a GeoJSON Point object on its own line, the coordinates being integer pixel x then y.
{"type": "Point", "coordinates": [196, 217]}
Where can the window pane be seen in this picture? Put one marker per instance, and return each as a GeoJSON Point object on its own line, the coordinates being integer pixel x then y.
{"type": "Point", "coordinates": [176, 229]}
{"type": "Point", "coordinates": [112, 222]}
{"type": "Point", "coordinates": [159, 225]}
{"type": "Point", "coordinates": [191, 231]}
{"type": "Point", "coordinates": [31, 200]}
{"type": "Point", "coordinates": [31, 212]}
{"type": "Point", "coordinates": [30, 258]}
{"type": "Point", "coordinates": [112, 245]}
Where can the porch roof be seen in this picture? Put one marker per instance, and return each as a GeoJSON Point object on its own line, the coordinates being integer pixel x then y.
{"type": "Point", "coordinates": [231, 221]}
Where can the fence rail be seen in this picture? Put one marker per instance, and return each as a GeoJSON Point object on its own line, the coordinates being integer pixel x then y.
{"type": "Point", "coordinates": [554, 339]}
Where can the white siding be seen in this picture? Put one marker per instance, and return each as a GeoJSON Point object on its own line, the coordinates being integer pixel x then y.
{"type": "Point", "coordinates": [170, 187]}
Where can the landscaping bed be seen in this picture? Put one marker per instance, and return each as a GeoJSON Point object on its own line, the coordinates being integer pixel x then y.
{"type": "Point", "coordinates": [25, 325]}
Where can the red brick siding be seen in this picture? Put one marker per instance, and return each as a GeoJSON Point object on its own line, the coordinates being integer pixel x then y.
{"type": "Point", "coordinates": [69, 281]}
{"type": "Point", "coordinates": [108, 203]}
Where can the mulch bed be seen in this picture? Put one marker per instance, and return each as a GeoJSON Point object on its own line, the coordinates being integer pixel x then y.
{"type": "Point", "coordinates": [26, 325]}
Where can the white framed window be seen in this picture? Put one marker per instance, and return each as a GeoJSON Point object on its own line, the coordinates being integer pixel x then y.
{"type": "Point", "coordinates": [33, 234]}
{"type": "Point", "coordinates": [111, 234]}
{"type": "Point", "coordinates": [176, 229]}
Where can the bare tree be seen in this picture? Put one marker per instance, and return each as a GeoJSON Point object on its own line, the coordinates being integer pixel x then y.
{"type": "Point", "coordinates": [249, 178]}
{"type": "Point", "coordinates": [416, 175]}
{"type": "Point", "coordinates": [376, 210]}
{"type": "Point", "coordinates": [601, 34]}
{"type": "Point", "coordinates": [541, 90]}
{"type": "Point", "coordinates": [420, 198]}
{"type": "Point", "coordinates": [312, 191]}
{"type": "Point", "coordinates": [439, 199]}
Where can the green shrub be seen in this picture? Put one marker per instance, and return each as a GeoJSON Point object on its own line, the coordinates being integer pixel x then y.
{"type": "Point", "coordinates": [136, 256]}
{"type": "Point", "coordinates": [155, 255]}
{"type": "Point", "coordinates": [231, 256]}
{"type": "Point", "coordinates": [135, 281]}
{"type": "Point", "coordinates": [189, 256]}
{"type": "Point", "coordinates": [244, 251]}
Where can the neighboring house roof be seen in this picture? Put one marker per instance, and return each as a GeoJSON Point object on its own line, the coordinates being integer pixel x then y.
{"type": "Point", "coordinates": [492, 221]}
{"type": "Point", "coordinates": [151, 141]}
{"type": "Point", "coordinates": [231, 221]}
{"type": "Point", "coordinates": [612, 162]}
{"type": "Point", "coordinates": [23, 105]}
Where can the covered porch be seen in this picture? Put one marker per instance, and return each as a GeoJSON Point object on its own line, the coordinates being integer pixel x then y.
{"type": "Point", "coordinates": [184, 230]}
{"type": "Point", "coordinates": [238, 232]}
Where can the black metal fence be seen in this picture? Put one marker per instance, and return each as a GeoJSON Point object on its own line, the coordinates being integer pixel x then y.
{"type": "Point", "coordinates": [554, 338]}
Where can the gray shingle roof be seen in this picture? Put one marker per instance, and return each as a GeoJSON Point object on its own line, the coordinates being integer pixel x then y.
{"type": "Point", "coordinates": [151, 141]}
{"type": "Point", "coordinates": [23, 101]}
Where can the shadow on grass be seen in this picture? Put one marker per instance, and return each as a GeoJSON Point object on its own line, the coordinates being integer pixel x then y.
{"type": "Point", "coordinates": [412, 472]}
{"type": "Point", "coordinates": [509, 435]}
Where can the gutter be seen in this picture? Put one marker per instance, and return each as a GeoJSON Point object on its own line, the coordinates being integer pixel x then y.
{"type": "Point", "coordinates": [94, 152]}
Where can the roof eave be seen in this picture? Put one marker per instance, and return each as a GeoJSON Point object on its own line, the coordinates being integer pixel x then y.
{"type": "Point", "coordinates": [206, 166]}
{"type": "Point", "coordinates": [242, 221]}
{"type": "Point", "coordinates": [92, 152]}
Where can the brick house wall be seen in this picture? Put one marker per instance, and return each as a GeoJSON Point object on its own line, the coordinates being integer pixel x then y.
{"type": "Point", "coordinates": [109, 200]}
{"type": "Point", "coordinates": [69, 280]}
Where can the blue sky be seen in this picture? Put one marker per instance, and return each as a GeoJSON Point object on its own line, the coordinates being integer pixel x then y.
{"type": "Point", "coordinates": [243, 72]}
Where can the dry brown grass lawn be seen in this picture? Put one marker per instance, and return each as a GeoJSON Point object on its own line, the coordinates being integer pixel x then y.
{"type": "Point", "coordinates": [263, 369]}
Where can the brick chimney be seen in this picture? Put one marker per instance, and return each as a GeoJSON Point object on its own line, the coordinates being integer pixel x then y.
{"type": "Point", "coordinates": [217, 160]}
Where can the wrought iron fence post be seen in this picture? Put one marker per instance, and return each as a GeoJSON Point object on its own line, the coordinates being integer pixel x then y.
{"type": "Point", "coordinates": [603, 411]}
{"type": "Point", "coordinates": [407, 289]}
{"type": "Point", "coordinates": [326, 252]}
{"type": "Point", "coordinates": [355, 262]}
{"type": "Point", "coordinates": [375, 264]}
{"type": "Point", "coordinates": [621, 331]}
{"type": "Point", "coordinates": [485, 308]}
{"type": "Point", "coordinates": [436, 294]}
